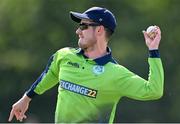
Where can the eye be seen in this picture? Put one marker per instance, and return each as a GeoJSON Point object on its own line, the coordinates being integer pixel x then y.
{"type": "Point", "coordinates": [83, 26]}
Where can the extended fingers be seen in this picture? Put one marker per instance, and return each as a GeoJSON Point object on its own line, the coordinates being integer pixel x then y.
{"type": "Point", "coordinates": [22, 116]}
{"type": "Point", "coordinates": [11, 115]}
{"type": "Point", "coordinates": [18, 114]}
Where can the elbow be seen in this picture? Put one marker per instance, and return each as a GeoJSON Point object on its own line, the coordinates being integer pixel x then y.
{"type": "Point", "coordinates": [158, 94]}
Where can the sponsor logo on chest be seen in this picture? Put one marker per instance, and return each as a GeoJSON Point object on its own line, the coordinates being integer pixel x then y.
{"type": "Point", "coordinates": [78, 89]}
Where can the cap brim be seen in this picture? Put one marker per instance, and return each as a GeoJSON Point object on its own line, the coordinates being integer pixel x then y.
{"type": "Point", "coordinates": [77, 17]}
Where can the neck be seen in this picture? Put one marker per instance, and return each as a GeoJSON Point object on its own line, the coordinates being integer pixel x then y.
{"type": "Point", "coordinates": [96, 51]}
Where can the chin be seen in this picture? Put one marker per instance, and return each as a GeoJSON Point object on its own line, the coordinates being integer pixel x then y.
{"type": "Point", "coordinates": [82, 46]}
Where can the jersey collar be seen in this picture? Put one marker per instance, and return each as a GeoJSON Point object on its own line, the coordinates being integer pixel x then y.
{"type": "Point", "coordinates": [101, 60]}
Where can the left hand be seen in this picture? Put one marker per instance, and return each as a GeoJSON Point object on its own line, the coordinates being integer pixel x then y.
{"type": "Point", "coordinates": [153, 43]}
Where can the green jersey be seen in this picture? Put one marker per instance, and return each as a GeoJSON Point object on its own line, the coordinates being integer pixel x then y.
{"type": "Point", "coordinates": [89, 90]}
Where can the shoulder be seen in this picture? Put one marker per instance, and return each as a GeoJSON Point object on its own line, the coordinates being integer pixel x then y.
{"type": "Point", "coordinates": [63, 52]}
{"type": "Point", "coordinates": [66, 50]}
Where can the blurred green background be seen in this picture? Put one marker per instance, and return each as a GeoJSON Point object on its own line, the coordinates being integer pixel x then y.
{"type": "Point", "coordinates": [32, 30]}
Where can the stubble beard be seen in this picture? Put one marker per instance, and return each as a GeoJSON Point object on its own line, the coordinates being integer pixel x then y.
{"type": "Point", "coordinates": [87, 44]}
{"type": "Point", "coordinates": [82, 46]}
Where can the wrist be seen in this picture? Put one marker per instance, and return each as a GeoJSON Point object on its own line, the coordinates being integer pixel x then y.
{"type": "Point", "coordinates": [26, 98]}
{"type": "Point", "coordinates": [154, 53]}
{"type": "Point", "coordinates": [153, 48]}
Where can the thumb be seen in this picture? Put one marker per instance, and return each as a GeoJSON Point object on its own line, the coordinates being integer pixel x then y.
{"type": "Point", "coordinates": [145, 34]}
{"type": "Point", "coordinates": [146, 37]}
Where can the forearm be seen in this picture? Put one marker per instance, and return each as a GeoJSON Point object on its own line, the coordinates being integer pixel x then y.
{"type": "Point", "coordinates": [156, 77]}
{"type": "Point", "coordinates": [153, 88]}
{"type": "Point", "coordinates": [46, 80]}
{"type": "Point", "coordinates": [156, 73]}
{"type": "Point", "coordinates": [42, 84]}
{"type": "Point", "coordinates": [135, 87]}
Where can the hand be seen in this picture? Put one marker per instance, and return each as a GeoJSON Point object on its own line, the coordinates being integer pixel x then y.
{"type": "Point", "coordinates": [19, 108]}
{"type": "Point", "coordinates": [153, 43]}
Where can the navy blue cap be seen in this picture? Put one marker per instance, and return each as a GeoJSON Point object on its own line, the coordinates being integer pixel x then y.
{"type": "Point", "coordinates": [97, 14]}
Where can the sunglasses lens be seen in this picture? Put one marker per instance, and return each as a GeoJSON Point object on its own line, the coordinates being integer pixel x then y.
{"type": "Point", "coordinates": [83, 26]}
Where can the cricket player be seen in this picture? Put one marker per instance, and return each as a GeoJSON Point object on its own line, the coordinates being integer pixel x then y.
{"type": "Point", "coordinates": [91, 82]}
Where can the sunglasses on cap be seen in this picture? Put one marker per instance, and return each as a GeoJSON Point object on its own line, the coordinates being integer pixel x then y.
{"type": "Point", "coordinates": [84, 26]}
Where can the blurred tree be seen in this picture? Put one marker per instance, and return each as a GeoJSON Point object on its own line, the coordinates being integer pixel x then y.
{"type": "Point", "coordinates": [32, 30]}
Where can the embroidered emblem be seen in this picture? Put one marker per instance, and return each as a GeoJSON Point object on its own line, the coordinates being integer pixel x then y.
{"type": "Point", "coordinates": [97, 69]}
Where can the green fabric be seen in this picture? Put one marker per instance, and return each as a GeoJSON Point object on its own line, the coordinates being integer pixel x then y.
{"type": "Point", "coordinates": [88, 95]}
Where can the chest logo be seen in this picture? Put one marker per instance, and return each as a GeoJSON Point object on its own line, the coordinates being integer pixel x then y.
{"type": "Point", "coordinates": [76, 65]}
{"type": "Point", "coordinates": [97, 69]}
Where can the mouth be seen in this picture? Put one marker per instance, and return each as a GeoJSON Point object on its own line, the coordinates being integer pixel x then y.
{"type": "Point", "coordinates": [80, 36]}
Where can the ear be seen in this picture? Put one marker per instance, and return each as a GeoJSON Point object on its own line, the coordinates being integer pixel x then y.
{"type": "Point", "coordinates": [100, 30]}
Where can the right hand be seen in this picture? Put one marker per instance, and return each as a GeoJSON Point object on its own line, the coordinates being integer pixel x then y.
{"type": "Point", "coordinates": [19, 108]}
{"type": "Point", "coordinates": [153, 43]}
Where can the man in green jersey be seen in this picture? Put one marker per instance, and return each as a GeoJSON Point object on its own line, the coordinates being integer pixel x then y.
{"type": "Point", "coordinates": [91, 83]}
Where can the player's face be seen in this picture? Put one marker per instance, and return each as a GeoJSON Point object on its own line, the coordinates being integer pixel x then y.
{"type": "Point", "coordinates": [86, 33]}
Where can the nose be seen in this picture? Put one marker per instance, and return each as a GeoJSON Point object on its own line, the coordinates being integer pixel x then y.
{"type": "Point", "coordinates": [78, 31]}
